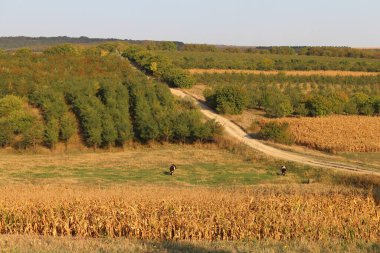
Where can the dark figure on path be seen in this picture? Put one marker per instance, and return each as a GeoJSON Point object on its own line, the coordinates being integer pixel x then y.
{"type": "Point", "coordinates": [172, 169]}
{"type": "Point", "coordinates": [283, 170]}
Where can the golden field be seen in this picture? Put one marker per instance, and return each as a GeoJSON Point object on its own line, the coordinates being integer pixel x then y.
{"type": "Point", "coordinates": [286, 72]}
{"type": "Point", "coordinates": [280, 213]}
{"type": "Point", "coordinates": [337, 133]}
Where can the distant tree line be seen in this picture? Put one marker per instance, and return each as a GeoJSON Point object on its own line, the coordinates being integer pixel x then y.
{"type": "Point", "coordinates": [38, 43]}
{"type": "Point", "coordinates": [287, 50]}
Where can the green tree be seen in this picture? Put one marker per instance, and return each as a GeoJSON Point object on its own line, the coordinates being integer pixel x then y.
{"type": "Point", "coordinates": [278, 105]}
{"type": "Point", "coordinates": [319, 105]}
{"type": "Point", "coordinates": [6, 132]}
{"type": "Point", "coordinates": [68, 128]}
{"type": "Point", "coordinates": [109, 133]}
{"type": "Point", "coordinates": [52, 133]}
{"type": "Point", "coordinates": [277, 132]}
{"type": "Point", "coordinates": [229, 99]}
{"type": "Point", "coordinates": [33, 135]}
{"type": "Point", "coordinates": [364, 103]}
{"type": "Point", "coordinates": [64, 49]}
{"type": "Point", "coordinates": [9, 104]}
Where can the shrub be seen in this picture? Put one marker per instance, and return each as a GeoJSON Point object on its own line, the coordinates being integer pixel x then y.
{"type": "Point", "coordinates": [278, 105]}
{"type": "Point", "coordinates": [228, 99]}
{"type": "Point", "coordinates": [277, 132]}
{"type": "Point", "coordinates": [64, 49]}
{"type": "Point", "coordinates": [319, 105]}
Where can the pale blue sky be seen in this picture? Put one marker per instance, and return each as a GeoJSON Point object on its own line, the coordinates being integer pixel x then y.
{"type": "Point", "coordinates": [239, 22]}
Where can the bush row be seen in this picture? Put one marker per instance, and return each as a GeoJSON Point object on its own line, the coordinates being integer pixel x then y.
{"type": "Point", "coordinates": [233, 99]}
{"type": "Point", "coordinates": [254, 61]}
{"type": "Point", "coordinates": [159, 66]}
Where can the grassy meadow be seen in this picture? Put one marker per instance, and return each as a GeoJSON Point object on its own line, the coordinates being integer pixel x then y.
{"type": "Point", "coordinates": [202, 164]}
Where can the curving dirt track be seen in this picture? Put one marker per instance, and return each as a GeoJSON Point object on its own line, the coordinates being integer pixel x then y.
{"type": "Point", "coordinates": [236, 132]}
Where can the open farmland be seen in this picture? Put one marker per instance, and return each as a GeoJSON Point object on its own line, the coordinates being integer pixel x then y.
{"type": "Point", "coordinates": [337, 133]}
{"type": "Point", "coordinates": [128, 128]}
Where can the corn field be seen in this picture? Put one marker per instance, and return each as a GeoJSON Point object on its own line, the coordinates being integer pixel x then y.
{"type": "Point", "coordinates": [161, 213]}
{"type": "Point", "coordinates": [337, 133]}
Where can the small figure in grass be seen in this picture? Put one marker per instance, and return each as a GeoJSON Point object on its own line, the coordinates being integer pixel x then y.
{"type": "Point", "coordinates": [172, 168]}
{"type": "Point", "coordinates": [283, 170]}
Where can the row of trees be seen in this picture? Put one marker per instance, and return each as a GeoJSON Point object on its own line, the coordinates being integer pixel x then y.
{"type": "Point", "coordinates": [317, 51]}
{"type": "Point", "coordinates": [159, 66]}
{"type": "Point", "coordinates": [233, 99]}
{"type": "Point", "coordinates": [223, 60]}
{"type": "Point", "coordinates": [213, 78]}
{"type": "Point", "coordinates": [19, 126]}
{"type": "Point", "coordinates": [280, 50]}
{"type": "Point", "coordinates": [350, 85]}
{"type": "Point", "coordinates": [60, 124]}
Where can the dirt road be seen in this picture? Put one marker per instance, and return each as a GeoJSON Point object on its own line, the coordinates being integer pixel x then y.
{"type": "Point", "coordinates": [236, 132]}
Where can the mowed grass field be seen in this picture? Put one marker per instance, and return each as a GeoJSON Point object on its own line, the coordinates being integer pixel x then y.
{"type": "Point", "coordinates": [203, 164]}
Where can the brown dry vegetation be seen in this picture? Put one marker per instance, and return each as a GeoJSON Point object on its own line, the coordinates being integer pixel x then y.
{"type": "Point", "coordinates": [40, 244]}
{"type": "Point", "coordinates": [337, 133]}
{"type": "Point", "coordinates": [160, 213]}
{"type": "Point", "coordinates": [287, 72]}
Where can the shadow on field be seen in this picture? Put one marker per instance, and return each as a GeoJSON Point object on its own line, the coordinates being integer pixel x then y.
{"type": "Point", "coordinates": [176, 247]}
{"type": "Point", "coordinates": [167, 173]}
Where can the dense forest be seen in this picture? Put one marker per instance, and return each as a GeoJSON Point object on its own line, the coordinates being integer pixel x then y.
{"type": "Point", "coordinates": [47, 98]}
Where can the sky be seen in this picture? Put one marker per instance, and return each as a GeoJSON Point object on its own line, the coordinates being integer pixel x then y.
{"type": "Point", "coordinates": [229, 22]}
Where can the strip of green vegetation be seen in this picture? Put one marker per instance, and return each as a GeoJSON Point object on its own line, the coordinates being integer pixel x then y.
{"type": "Point", "coordinates": [279, 96]}
{"type": "Point", "coordinates": [254, 61]}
